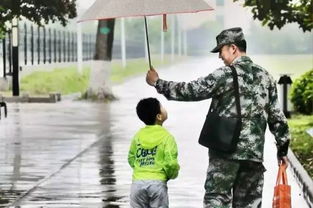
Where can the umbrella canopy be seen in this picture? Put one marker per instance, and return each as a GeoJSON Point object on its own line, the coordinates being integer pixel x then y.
{"type": "Point", "coordinates": [108, 9]}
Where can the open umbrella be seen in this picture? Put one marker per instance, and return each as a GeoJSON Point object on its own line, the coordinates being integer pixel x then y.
{"type": "Point", "coordinates": [108, 9]}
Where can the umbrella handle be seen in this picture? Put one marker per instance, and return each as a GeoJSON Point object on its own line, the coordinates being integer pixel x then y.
{"type": "Point", "coordinates": [147, 37]}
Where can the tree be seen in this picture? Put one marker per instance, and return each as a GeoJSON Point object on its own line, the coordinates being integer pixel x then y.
{"type": "Point", "coordinates": [38, 12]}
{"type": "Point", "coordinates": [99, 84]}
{"type": "Point", "coordinates": [277, 13]}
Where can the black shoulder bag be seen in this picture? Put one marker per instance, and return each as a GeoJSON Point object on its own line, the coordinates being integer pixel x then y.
{"type": "Point", "coordinates": [222, 133]}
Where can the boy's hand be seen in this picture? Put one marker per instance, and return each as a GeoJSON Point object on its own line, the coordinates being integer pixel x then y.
{"type": "Point", "coordinates": [152, 77]}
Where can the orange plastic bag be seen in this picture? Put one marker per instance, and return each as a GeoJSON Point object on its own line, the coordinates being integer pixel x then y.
{"type": "Point", "coordinates": [282, 191]}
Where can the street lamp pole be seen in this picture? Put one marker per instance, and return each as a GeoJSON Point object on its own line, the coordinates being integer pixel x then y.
{"type": "Point", "coordinates": [15, 58]}
{"type": "Point", "coordinates": [285, 81]}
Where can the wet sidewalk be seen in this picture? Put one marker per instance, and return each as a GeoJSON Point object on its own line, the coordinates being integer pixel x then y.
{"type": "Point", "coordinates": [74, 153]}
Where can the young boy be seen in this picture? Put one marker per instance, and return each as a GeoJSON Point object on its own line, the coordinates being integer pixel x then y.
{"type": "Point", "coordinates": [153, 157]}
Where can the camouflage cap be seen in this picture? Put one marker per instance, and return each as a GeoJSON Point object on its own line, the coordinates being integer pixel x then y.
{"type": "Point", "coordinates": [228, 36]}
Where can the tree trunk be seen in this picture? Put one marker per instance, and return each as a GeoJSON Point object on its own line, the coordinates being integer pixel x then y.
{"type": "Point", "coordinates": [99, 84]}
{"type": "Point", "coordinates": [104, 42]}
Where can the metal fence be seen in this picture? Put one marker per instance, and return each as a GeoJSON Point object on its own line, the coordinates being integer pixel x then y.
{"type": "Point", "coordinates": [40, 45]}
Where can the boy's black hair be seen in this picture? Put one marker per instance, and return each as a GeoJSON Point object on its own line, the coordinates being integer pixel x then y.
{"type": "Point", "coordinates": [147, 110]}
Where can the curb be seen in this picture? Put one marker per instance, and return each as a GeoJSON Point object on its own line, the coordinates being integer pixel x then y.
{"type": "Point", "coordinates": [303, 179]}
{"type": "Point", "coordinates": [53, 98]}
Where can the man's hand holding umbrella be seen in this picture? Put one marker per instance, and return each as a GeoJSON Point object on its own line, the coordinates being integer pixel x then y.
{"type": "Point", "coordinates": [152, 77]}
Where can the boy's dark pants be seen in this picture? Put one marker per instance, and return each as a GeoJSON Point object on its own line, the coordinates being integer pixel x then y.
{"type": "Point", "coordinates": [233, 184]}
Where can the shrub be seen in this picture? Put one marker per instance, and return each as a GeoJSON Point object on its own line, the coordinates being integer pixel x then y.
{"type": "Point", "coordinates": [302, 93]}
{"type": "Point", "coordinates": [301, 141]}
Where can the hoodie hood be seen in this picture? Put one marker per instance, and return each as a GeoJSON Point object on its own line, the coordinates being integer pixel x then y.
{"type": "Point", "coordinates": [151, 136]}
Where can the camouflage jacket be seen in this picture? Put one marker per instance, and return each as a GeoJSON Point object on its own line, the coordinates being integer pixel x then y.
{"type": "Point", "coordinates": [259, 105]}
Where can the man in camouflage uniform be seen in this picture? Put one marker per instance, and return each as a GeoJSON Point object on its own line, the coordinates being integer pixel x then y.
{"type": "Point", "coordinates": [235, 179]}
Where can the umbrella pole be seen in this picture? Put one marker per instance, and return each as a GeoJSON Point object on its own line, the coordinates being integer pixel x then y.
{"type": "Point", "coordinates": [147, 37]}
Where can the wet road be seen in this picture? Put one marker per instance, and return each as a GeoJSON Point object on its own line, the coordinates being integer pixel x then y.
{"type": "Point", "coordinates": [74, 154]}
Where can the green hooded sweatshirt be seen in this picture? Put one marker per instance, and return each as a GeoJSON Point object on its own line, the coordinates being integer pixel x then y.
{"type": "Point", "coordinates": [153, 154]}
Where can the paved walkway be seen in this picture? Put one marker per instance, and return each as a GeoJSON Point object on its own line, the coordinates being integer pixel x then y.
{"type": "Point", "coordinates": [73, 153]}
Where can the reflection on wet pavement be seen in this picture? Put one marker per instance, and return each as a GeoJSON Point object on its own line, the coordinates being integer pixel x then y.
{"type": "Point", "coordinates": [39, 140]}
{"type": "Point", "coordinates": [74, 154]}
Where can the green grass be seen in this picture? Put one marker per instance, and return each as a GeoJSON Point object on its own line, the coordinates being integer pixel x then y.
{"type": "Point", "coordinates": [63, 80]}
{"type": "Point", "coordinates": [302, 142]}
{"type": "Point", "coordinates": [294, 65]}
{"type": "Point", "coordinates": [68, 80]}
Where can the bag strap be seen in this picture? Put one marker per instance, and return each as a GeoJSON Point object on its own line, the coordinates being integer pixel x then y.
{"type": "Point", "coordinates": [282, 175]}
{"type": "Point", "coordinates": [236, 88]}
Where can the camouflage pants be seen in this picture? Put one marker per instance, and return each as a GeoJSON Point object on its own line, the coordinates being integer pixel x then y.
{"type": "Point", "coordinates": [233, 184]}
